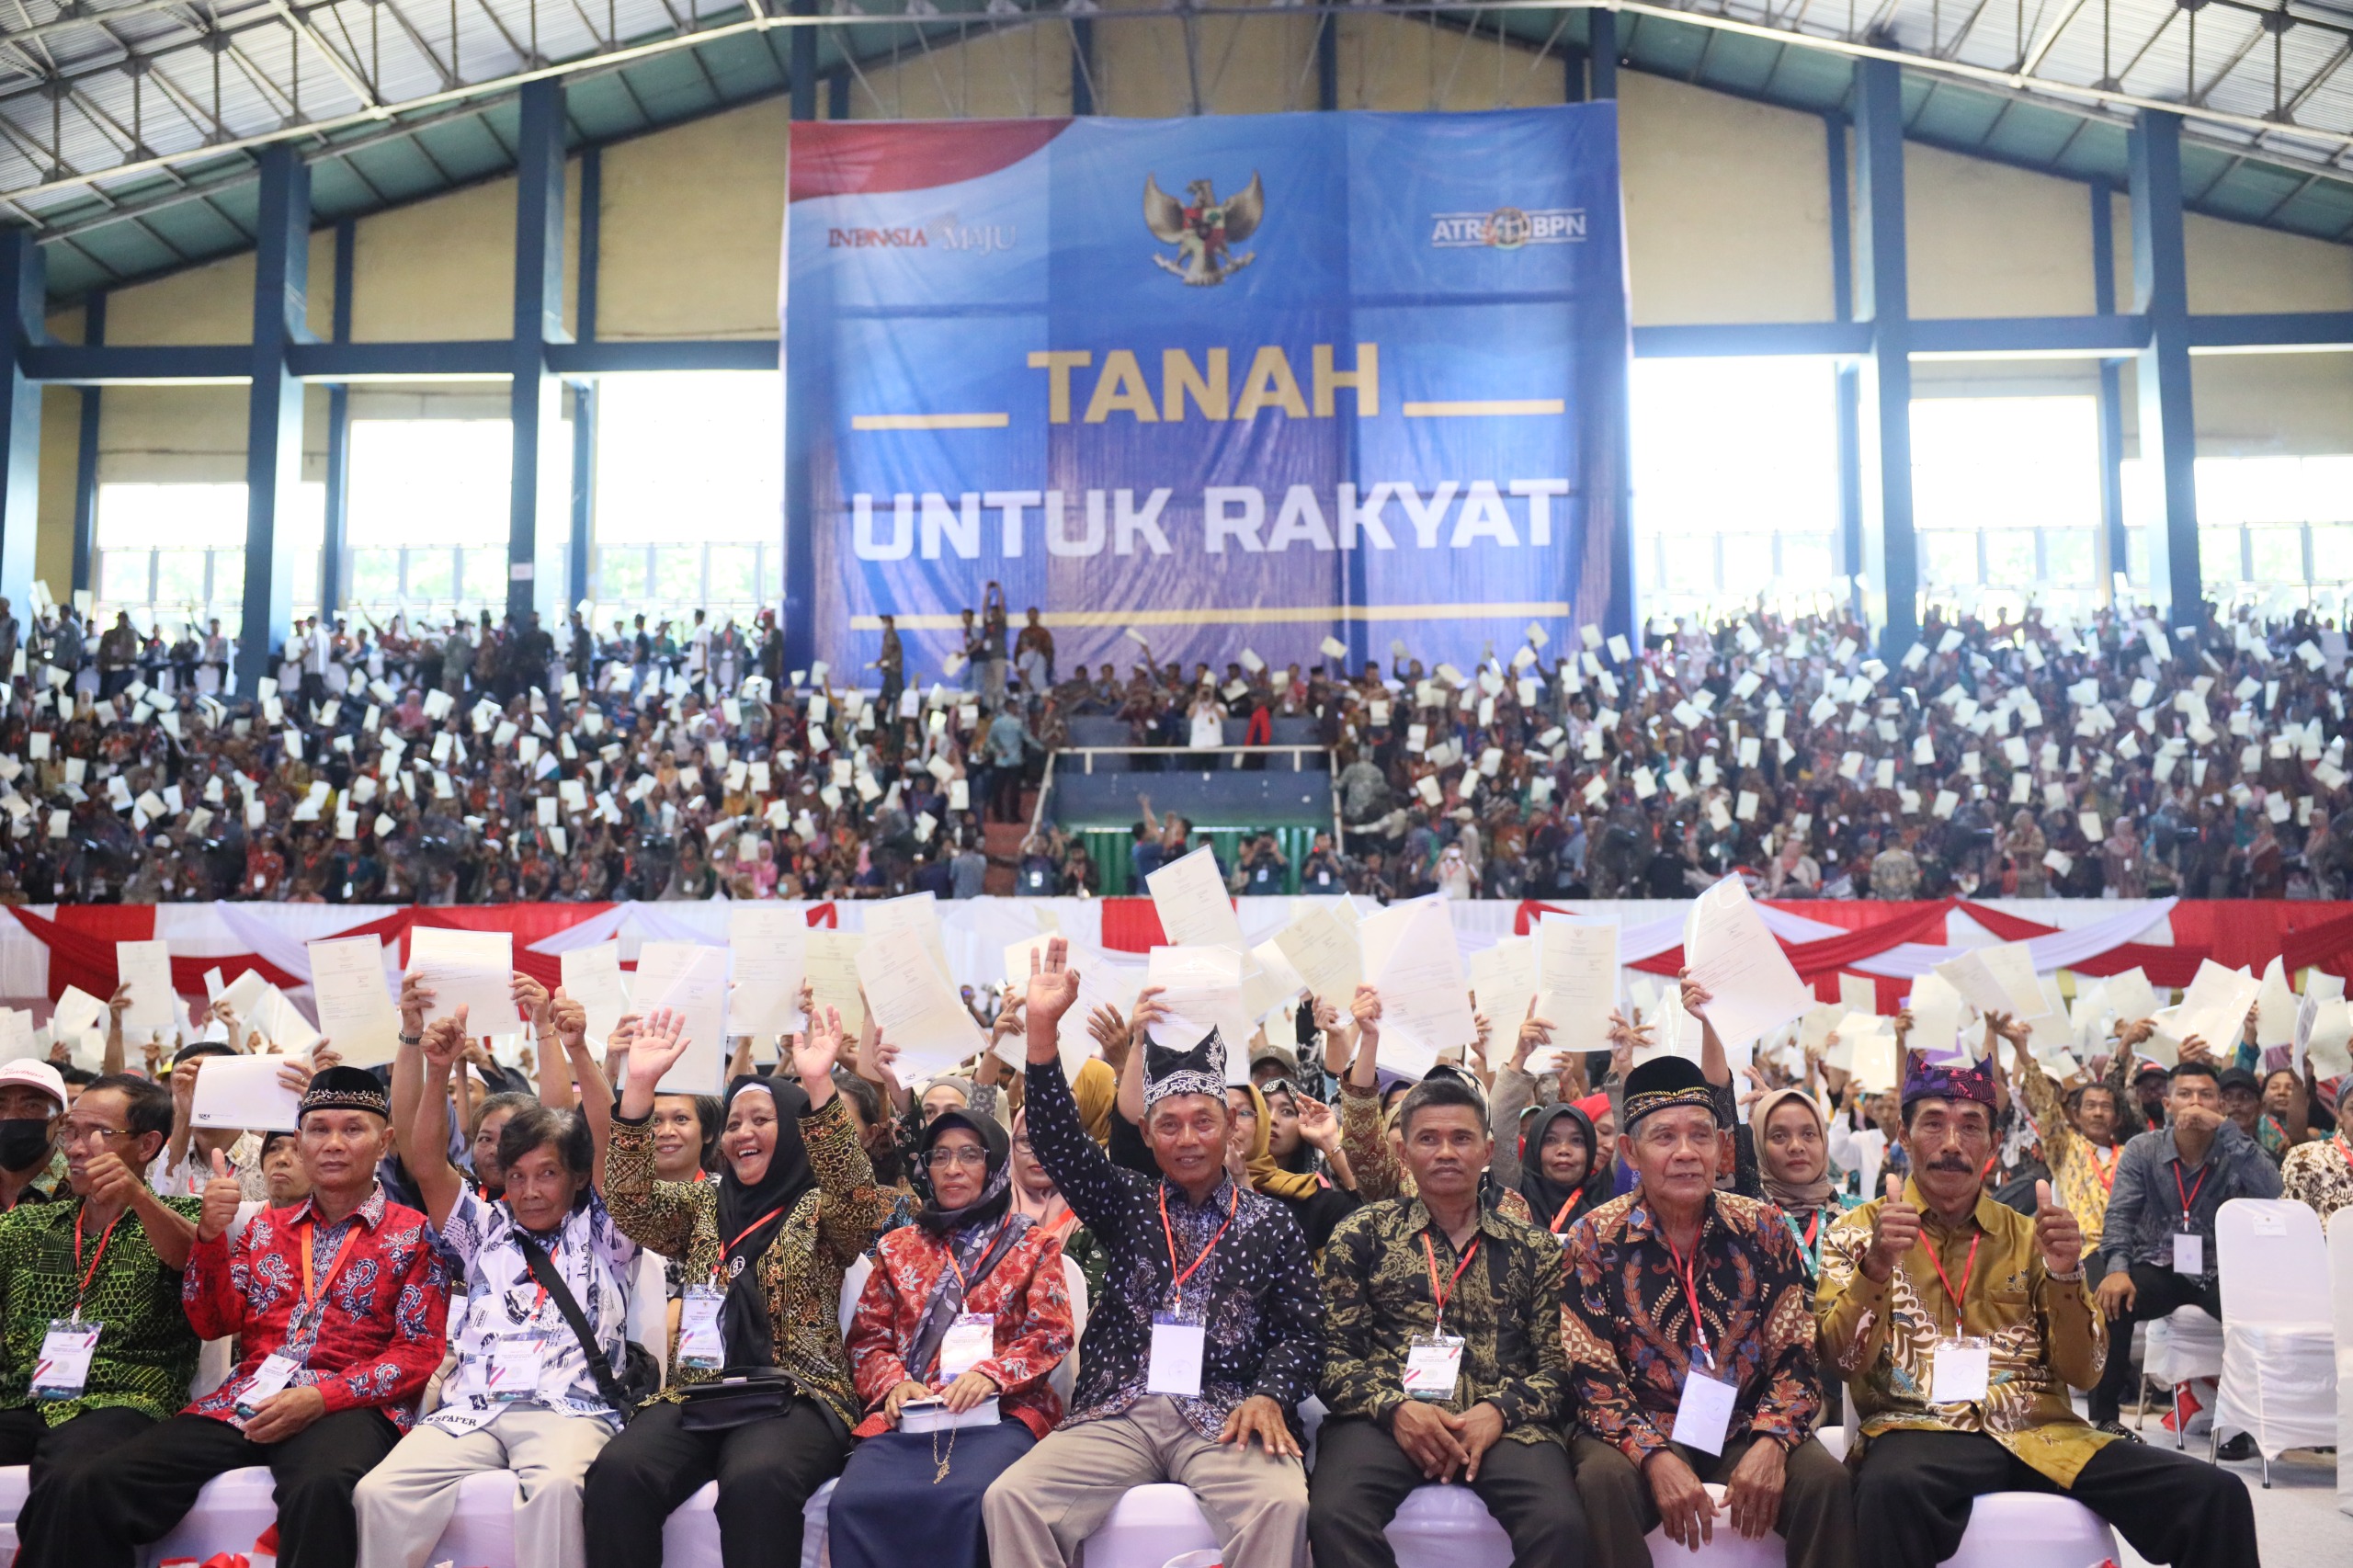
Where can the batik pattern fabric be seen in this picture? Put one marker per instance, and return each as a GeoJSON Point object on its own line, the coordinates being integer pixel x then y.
{"type": "Point", "coordinates": [801, 1272]}
{"type": "Point", "coordinates": [146, 1352]}
{"type": "Point", "coordinates": [2081, 1173]}
{"type": "Point", "coordinates": [1024, 1293]}
{"type": "Point", "coordinates": [2320, 1174]}
{"type": "Point", "coordinates": [378, 1338]}
{"type": "Point", "coordinates": [503, 1299]}
{"type": "Point", "coordinates": [1506, 1307]}
{"type": "Point", "coordinates": [1628, 1325]}
{"type": "Point", "coordinates": [1255, 1294]}
{"type": "Point", "coordinates": [2043, 1336]}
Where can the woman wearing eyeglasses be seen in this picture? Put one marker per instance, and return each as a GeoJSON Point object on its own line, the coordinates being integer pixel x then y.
{"type": "Point", "coordinates": [965, 1309]}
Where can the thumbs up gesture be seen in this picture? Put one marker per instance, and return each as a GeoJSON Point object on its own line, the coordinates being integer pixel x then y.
{"type": "Point", "coordinates": [1893, 1233]}
{"type": "Point", "coordinates": [2056, 1233]}
{"type": "Point", "coordinates": [221, 1195]}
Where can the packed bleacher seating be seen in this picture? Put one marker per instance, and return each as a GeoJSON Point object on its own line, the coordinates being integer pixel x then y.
{"type": "Point", "coordinates": [481, 763]}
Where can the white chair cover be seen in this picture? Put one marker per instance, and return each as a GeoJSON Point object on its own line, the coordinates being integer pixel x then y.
{"type": "Point", "coordinates": [482, 1532]}
{"type": "Point", "coordinates": [1728, 1548]}
{"type": "Point", "coordinates": [2032, 1529]}
{"type": "Point", "coordinates": [690, 1535]}
{"type": "Point", "coordinates": [2186, 1343]}
{"type": "Point", "coordinates": [16, 1480]}
{"type": "Point", "coordinates": [2340, 1275]}
{"type": "Point", "coordinates": [1448, 1526]}
{"type": "Point", "coordinates": [1146, 1528]}
{"type": "Point", "coordinates": [233, 1512]}
{"type": "Point", "coordinates": [2279, 1349]}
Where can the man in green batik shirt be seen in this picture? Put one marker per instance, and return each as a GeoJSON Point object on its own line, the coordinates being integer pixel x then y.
{"type": "Point", "coordinates": [94, 1345]}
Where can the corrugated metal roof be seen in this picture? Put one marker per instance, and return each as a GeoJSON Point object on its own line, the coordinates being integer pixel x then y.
{"type": "Point", "coordinates": [395, 101]}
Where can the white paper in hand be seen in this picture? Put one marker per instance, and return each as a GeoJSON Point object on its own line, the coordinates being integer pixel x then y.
{"type": "Point", "coordinates": [1752, 988]}
{"type": "Point", "coordinates": [1201, 990]}
{"type": "Point", "coordinates": [1189, 897]}
{"type": "Point", "coordinates": [1410, 958]}
{"type": "Point", "coordinates": [1322, 947]}
{"type": "Point", "coordinates": [473, 969]}
{"type": "Point", "coordinates": [1576, 978]}
{"type": "Point", "coordinates": [916, 913]}
{"type": "Point", "coordinates": [592, 977]}
{"type": "Point", "coordinates": [689, 979]}
{"type": "Point", "coordinates": [244, 1092]}
{"type": "Point", "coordinates": [146, 968]}
{"type": "Point", "coordinates": [915, 1007]}
{"type": "Point", "coordinates": [356, 1009]}
{"type": "Point", "coordinates": [771, 958]}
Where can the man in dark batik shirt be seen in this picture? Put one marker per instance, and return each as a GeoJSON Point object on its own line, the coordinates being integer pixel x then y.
{"type": "Point", "coordinates": [1692, 1347]}
{"type": "Point", "coordinates": [1208, 1332]}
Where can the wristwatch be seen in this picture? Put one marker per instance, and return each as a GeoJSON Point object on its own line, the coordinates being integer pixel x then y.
{"type": "Point", "coordinates": [412, 1039]}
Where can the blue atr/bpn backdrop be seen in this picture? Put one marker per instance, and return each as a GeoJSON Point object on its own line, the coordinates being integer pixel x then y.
{"type": "Point", "coordinates": [1232, 381]}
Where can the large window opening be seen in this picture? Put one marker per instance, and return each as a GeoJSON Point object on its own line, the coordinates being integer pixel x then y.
{"type": "Point", "coordinates": [689, 496]}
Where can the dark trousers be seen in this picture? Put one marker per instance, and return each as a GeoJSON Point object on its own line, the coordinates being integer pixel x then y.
{"type": "Point", "coordinates": [1913, 1496]}
{"type": "Point", "coordinates": [99, 1515]}
{"type": "Point", "coordinates": [1817, 1521]}
{"type": "Point", "coordinates": [766, 1471]}
{"type": "Point", "coordinates": [1361, 1476]}
{"type": "Point", "coordinates": [2157, 1293]}
{"type": "Point", "coordinates": [88, 1439]}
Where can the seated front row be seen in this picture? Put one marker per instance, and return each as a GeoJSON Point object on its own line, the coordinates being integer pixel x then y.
{"type": "Point", "coordinates": [1588, 1387]}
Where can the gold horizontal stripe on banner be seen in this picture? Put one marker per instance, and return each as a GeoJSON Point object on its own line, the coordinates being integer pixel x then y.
{"type": "Point", "coordinates": [1506, 405]}
{"type": "Point", "coordinates": [930, 421]}
{"type": "Point", "coordinates": [1533, 608]}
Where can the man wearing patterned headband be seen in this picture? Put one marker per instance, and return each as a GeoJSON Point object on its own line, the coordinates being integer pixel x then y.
{"type": "Point", "coordinates": [337, 1306]}
{"type": "Point", "coordinates": [1959, 1325]}
{"type": "Point", "coordinates": [1209, 1334]}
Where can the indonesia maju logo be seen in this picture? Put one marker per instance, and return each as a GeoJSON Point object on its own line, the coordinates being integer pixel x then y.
{"type": "Point", "coordinates": [1204, 229]}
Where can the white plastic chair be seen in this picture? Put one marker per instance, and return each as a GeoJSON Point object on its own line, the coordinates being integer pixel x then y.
{"type": "Point", "coordinates": [1729, 1549]}
{"type": "Point", "coordinates": [480, 1533]}
{"type": "Point", "coordinates": [853, 1287]}
{"type": "Point", "coordinates": [2183, 1345]}
{"type": "Point", "coordinates": [1146, 1528]}
{"type": "Point", "coordinates": [690, 1535]}
{"type": "Point", "coordinates": [1065, 1376]}
{"type": "Point", "coordinates": [2032, 1529]}
{"type": "Point", "coordinates": [2340, 1274]}
{"type": "Point", "coordinates": [648, 1323]}
{"type": "Point", "coordinates": [232, 1513]}
{"type": "Point", "coordinates": [1448, 1526]}
{"type": "Point", "coordinates": [16, 1480]}
{"type": "Point", "coordinates": [2279, 1349]}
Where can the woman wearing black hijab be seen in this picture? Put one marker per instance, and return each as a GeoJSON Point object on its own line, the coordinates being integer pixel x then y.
{"type": "Point", "coordinates": [1558, 1175]}
{"type": "Point", "coordinates": [760, 1397]}
{"type": "Point", "coordinates": [965, 1305]}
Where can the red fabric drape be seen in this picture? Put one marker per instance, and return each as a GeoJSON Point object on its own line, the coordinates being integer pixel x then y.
{"type": "Point", "coordinates": [1132, 925]}
{"type": "Point", "coordinates": [78, 958]}
{"type": "Point", "coordinates": [1834, 953]}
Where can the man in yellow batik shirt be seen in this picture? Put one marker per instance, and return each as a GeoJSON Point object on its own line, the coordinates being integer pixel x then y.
{"type": "Point", "coordinates": [1960, 1325]}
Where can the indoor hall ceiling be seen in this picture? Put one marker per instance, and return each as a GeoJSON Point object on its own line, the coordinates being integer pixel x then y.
{"type": "Point", "coordinates": [127, 129]}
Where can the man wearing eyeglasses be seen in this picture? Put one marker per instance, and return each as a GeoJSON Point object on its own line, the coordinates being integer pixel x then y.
{"type": "Point", "coordinates": [94, 1346]}
{"type": "Point", "coordinates": [33, 1095]}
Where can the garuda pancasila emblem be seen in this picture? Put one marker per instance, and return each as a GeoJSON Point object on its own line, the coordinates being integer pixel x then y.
{"type": "Point", "coordinates": [1203, 229]}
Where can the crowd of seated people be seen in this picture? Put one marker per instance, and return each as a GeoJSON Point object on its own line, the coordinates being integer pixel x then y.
{"type": "Point", "coordinates": [1588, 1287]}
{"type": "Point", "coordinates": [480, 763]}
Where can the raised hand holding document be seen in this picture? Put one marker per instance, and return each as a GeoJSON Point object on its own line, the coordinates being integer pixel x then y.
{"type": "Point", "coordinates": [1410, 958]}
{"type": "Point", "coordinates": [916, 1008]}
{"type": "Point", "coordinates": [355, 1006]}
{"type": "Point", "coordinates": [1752, 988]}
{"type": "Point", "coordinates": [473, 969]}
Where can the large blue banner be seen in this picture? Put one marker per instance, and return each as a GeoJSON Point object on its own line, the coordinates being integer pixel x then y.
{"type": "Point", "coordinates": [1247, 381]}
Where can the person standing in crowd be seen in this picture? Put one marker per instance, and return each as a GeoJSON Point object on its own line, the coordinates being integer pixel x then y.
{"type": "Point", "coordinates": [524, 1395]}
{"type": "Point", "coordinates": [2320, 1174]}
{"type": "Point", "coordinates": [32, 1096]}
{"type": "Point", "coordinates": [110, 1259]}
{"type": "Point", "coordinates": [337, 1306]}
{"type": "Point", "coordinates": [967, 1304]}
{"type": "Point", "coordinates": [1208, 1333]}
{"type": "Point", "coordinates": [892, 662]}
{"type": "Point", "coordinates": [1960, 1325]}
{"type": "Point", "coordinates": [2158, 1242]}
{"type": "Point", "coordinates": [1691, 1350]}
{"type": "Point", "coordinates": [2079, 1133]}
{"type": "Point", "coordinates": [1460, 1375]}
{"type": "Point", "coordinates": [765, 1249]}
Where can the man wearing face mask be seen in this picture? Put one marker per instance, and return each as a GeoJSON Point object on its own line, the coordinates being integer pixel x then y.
{"type": "Point", "coordinates": [32, 1096]}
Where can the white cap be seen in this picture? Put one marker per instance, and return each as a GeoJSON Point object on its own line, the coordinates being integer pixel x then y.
{"type": "Point", "coordinates": [39, 1074]}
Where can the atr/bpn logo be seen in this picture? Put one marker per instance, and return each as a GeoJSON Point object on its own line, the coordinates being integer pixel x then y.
{"type": "Point", "coordinates": [1508, 228]}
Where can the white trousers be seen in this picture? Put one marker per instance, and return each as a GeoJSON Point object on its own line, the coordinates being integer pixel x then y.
{"type": "Point", "coordinates": [404, 1502]}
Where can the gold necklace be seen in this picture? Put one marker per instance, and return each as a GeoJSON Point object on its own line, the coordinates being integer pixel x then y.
{"type": "Point", "coordinates": [940, 1472]}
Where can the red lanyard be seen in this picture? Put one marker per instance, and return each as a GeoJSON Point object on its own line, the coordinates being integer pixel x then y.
{"type": "Point", "coordinates": [1175, 1290]}
{"type": "Point", "coordinates": [1967, 1269]}
{"type": "Point", "coordinates": [1686, 1273]}
{"type": "Point", "coordinates": [314, 1289]}
{"type": "Point", "coordinates": [1437, 1295]}
{"type": "Point", "coordinates": [2344, 1149]}
{"type": "Point", "coordinates": [2189, 1194]}
{"type": "Point", "coordinates": [1812, 1229]}
{"type": "Point", "coordinates": [2106, 1169]}
{"type": "Point", "coordinates": [92, 1273]}
{"type": "Point", "coordinates": [1564, 1214]}
{"type": "Point", "coordinates": [964, 1286]}
{"type": "Point", "coordinates": [746, 1231]}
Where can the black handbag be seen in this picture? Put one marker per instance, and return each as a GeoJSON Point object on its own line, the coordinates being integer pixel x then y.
{"type": "Point", "coordinates": [736, 1400]}
{"type": "Point", "coordinates": [638, 1379]}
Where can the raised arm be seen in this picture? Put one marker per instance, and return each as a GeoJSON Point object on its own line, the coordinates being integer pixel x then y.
{"type": "Point", "coordinates": [1715, 1065]}
{"type": "Point", "coordinates": [548, 1066]}
{"type": "Point", "coordinates": [408, 1062]}
{"type": "Point", "coordinates": [849, 1208]}
{"type": "Point", "coordinates": [1083, 1173]}
{"type": "Point", "coordinates": [569, 1020]}
{"type": "Point", "coordinates": [657, 1215]}
{"type": "Point", "coordinates": [110, 1062]}
{"type": "Point", "coordinates": [425, 1137]}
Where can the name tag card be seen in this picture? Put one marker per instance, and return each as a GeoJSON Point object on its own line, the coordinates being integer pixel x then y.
{"type": "Point", "coordinates": [269, 1380]}
{"type": "Point", "coordinates": [700, 1343]}
{"type": "Point", "coordinates": [1961, 1372]}
{"type": "Point", "coordinates": [2189, 1252]}
{"type": "Point", "coordinates": [1704, 1415]}
{"type": "Point", "coordinates": [515, 1364]}
{"type": "Point", "coordinates": [971, 1340]}
{"type": "Point", "coordinates": [1433, 1366]}
{"type": "Point", "coordinates": [1175, 1365]}
{"type": "Point", "coordinates": [65, 1352]}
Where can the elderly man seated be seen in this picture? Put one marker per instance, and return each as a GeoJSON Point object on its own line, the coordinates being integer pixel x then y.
{"type": "Point", "coordinates": [1960, 1324]}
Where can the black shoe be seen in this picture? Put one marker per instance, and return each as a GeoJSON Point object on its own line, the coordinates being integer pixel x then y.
{"type": "Point", "coordinates": [2239, 1447]}
{"type": "Point", "coordinates": [2116, 1428]}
